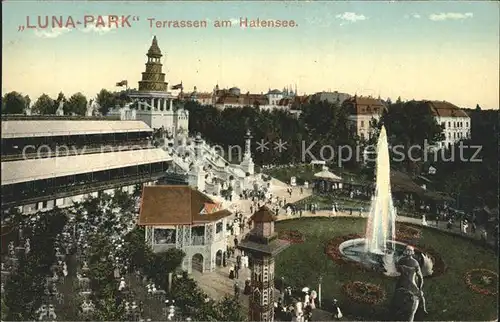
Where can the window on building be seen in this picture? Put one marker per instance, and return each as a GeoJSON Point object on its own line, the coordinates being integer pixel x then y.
{"type": "Point", "coordinates": [362, 123]}
{"type": "Point", "coordinates": [454, 135]}
{"type": "Point", "coordinates": [466, 124]}
{"type": "Point", "coordinates": [443, 124]}
{"type": "Point", "coordinates": [44, 204]}
{"type": "Point", "coordinates": [218, 227]}
{"type": "Point", "coordinates": [449, 124]}
{"type": "Point", "coordinates": [449, 135]}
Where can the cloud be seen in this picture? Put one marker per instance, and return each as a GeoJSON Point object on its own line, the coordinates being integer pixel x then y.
{"type": "Point", "coordinates": [99, 30]}
{"type": "Point", "coordinates": [52, 33]}
{"type": "Point", "coordinates": [351, 17]}
{"type": "Point", "coordinates": [413, 15]}
{"type": "Point", "coordinates": [450, 16]}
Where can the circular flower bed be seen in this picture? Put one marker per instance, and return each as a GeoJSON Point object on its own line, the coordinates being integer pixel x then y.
{"type": "Point", "coordinates": [482, 281]}
{"type": "Point", "coordinates": [292, 236]}
{"type": "Point", "coordinates": [364, 292]}
{"type": "Point", "coordinates": [332, 250]}
{"type": "Point", "coordinates": [408, 233]}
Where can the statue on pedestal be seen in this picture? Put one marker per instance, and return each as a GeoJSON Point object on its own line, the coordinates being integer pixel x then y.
{"type": "Point", "coordinates": [408, 295]}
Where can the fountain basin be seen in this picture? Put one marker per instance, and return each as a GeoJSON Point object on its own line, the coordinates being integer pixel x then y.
{"type": "Point", "coordinates": [355, 250]}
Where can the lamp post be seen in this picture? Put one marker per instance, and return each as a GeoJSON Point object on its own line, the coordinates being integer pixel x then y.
{"type": "Point", "coordinates": [319, 291]}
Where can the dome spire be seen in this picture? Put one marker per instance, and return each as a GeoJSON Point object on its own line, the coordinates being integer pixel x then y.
{"type": "Point", "coordinates": [154, 50]}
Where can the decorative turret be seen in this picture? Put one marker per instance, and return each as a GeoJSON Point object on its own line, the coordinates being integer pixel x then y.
{"type": "Point", "coordinates": [248, 138]}
{"type": "Point", "coordinates": [262, 244]}
{"type": "Point", "coordinates": [247, 164]}
{"type": "Point", "coordinates": [153, 79]}
{"type": "Point", "coordinates": [198, 142]}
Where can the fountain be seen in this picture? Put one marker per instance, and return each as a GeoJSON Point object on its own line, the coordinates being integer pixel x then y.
{"type": "Point", "coordinates": [379, 249]}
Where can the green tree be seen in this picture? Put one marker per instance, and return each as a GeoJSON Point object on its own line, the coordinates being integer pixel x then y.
{"type": "Point", "coordinates": [411, 124]}
{"type": "Point", "coordinates": [161, 264]}
{"type": "Point", "coordinates": [45, 105]}
{"type": "Point", "coordinates": [107, 100]}
{"type": "Point", "coordinates": [14, 103]}
{"type": "Point", "coordinates": [229, 309]}
{"type": "Point", "coordinates": [77, 105]}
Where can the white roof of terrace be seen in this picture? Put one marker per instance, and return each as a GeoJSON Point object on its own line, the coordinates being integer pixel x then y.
{"type": "Point", "coordinates": [39, 169]}
{"type": "Point", "coordinates": [37, 128]}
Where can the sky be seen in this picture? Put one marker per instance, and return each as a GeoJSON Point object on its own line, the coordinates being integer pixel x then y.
{"type": "Point", "coordinates": [433, 50]}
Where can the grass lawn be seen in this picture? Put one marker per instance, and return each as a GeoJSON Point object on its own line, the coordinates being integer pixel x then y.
{"type": "Point", "coordinates": [447, 295]}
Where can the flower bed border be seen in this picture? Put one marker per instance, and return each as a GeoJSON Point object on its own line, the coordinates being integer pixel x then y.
{"type": "Point", "coordinates": [474, 287]}
{"type": "Point", "coordinates": [332, 250]}
{"type": "Point", "coordinates": [407, 233]}
{"type": "Point", "coordinates": [291, 236]}
{"type": "Point", "coordinates": [349, 287]}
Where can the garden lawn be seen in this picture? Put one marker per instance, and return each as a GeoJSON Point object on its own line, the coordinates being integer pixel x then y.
{"type": "Point", "coordinates": [447, 296]}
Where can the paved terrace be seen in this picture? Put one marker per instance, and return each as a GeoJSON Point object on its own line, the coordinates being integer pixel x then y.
{"type": "Point", "coordinates": [217, 284]}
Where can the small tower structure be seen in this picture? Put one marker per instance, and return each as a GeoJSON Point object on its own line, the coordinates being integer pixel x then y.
{"type": "Point", "coordinates": [262, 245]}
{"type": "Point", "coordinates": [153, 100]}
{"type": "Point", "coordinates": [247, 164]}
{"type": "Point", "coordinates": [197, 174]}
{"type": "Point", "coordinates": [153, 79]}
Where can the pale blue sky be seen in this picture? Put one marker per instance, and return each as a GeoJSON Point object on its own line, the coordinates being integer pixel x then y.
{"type": "Point", "coordinates": [433, 50]}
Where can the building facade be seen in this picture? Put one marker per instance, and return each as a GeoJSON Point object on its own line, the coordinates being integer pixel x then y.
{"type": "Point", "coordinates": [362, 111]}
{"type": "Point", "coordinates": [184, 218]}
{"type": "Point", "coordinates": [49, 162]}
{"type": "Point", "coordinates": [206, 169]}
{"type": "Point", "coordinates": [455, 122]}
{"type": "Point", "coordinates": [233, 97]}
{"type": "Point", "coordinates": [331, 97]}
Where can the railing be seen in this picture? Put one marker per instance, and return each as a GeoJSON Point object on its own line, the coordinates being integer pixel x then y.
{"type": "Point", "coordinates": [76, 151]}
{"type": "Point", "coordinates": [87, 188]}
{"type": "Point", "coordinates": [197, 240]}
{"type": "Point", "coordinates": [20, 117]}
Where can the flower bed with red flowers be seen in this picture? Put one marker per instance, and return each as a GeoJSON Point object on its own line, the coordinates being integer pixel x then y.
{"type": "Point", "coordinates": [407, 233]}
{"type": "Point", "coordinates": [482, 281]}
{"type": "Point", "coordinates": [292, 236]}
{"type": "Point", "coordinates": [332, 250]}
{"type": "Point", "coordinates": [364, 292]}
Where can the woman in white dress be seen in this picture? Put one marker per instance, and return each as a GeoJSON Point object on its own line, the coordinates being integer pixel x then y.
{"type": "Point", "coordinates": [424, 221]}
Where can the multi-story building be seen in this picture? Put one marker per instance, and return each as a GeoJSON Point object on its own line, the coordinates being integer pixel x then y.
{"type": "Point", "coordinates": [331, 97]}
{"type": "Point", "coordinates": [152, 102]}
{"type": "Point", "coordinates": [362, 111]}
{"type": "Point", "coordinates": [185, 218]}
{"type": "Point", "coordinates": [232, 97]}
{"type": "Point", "coordinates": [56, 161]}
{"type": "Point", "coordinates": [455, 122]}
